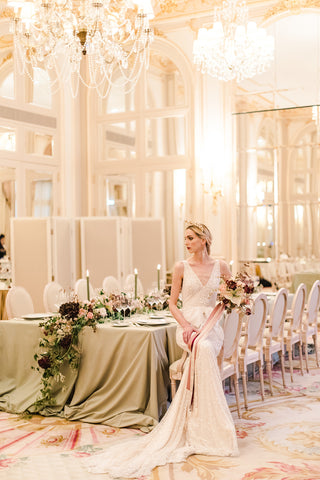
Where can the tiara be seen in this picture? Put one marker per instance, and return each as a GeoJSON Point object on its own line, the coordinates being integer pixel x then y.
{"type": "Point", "coordinates": [198, 225]}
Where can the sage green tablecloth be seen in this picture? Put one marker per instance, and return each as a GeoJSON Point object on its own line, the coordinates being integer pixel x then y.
{"type": "Point", "coordinates": [304, 277]}
{"type": "Point", "coordinates": [122, 380]}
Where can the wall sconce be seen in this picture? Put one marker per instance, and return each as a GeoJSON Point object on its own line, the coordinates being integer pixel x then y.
{"type": "Point", "coordinates": [215, 193]}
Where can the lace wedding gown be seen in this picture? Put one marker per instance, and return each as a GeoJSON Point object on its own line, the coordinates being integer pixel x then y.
{"type": "Point", "coordinates": [204, 428]}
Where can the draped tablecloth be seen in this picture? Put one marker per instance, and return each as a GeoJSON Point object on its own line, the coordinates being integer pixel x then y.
{"type": "Point", "coordinates": [122, 380]}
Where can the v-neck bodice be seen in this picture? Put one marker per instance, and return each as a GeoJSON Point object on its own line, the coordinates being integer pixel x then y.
{"type": "Point", "coordinates": [194, 293]}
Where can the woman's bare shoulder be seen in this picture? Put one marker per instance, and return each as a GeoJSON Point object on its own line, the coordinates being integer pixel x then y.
{"type": "Point", "coordinates": [179, 267]}
{"type": "Point", "coordinates": [224, 268]}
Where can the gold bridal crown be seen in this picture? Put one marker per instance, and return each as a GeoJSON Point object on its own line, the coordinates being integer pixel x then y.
{"type": "Point", "coordinates": [198, 225]}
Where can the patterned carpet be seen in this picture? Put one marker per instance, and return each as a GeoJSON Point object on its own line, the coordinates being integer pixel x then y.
{"type": "Point", "coordinates": [279, 439]}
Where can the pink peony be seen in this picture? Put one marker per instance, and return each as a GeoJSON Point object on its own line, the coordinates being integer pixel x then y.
{"type": "Point", "coordinates": [90, 316]}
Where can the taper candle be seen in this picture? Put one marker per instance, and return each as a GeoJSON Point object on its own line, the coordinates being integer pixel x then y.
{"type": "Point", "coordinates": [88, 286]}
{"type": "Point", "coordinates": [158, 271]}
{"type": "Point", "coordinates": [135, 283]}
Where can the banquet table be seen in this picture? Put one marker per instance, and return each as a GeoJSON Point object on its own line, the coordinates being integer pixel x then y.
{"type": "Point", "coordinates": [122, 380]}
{"type": "Point", "coordinates": [308, 278]}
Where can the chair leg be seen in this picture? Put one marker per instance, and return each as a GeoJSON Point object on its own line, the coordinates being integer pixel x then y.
{"type": "Point", "coordinates": [236, 389]}
{"type": "Point", "coordinates": [173, 388]}
{"type": "Point", "coordinates": [261, 379]}
{"type": "Point", "coordinates": [245, 393]}
{"type": "Point", "coordinates": [314, 337]}
{"type": "Point", "coordinates": [300, 356]}
{"type": "Point", "coordinates": [306, 355]}
{"type": "Point", "coordinates": [269, 370]}
{"type": "Point", "coordinates": [282, 368]}
{"type": "Point", "coordinates": [290, 355]}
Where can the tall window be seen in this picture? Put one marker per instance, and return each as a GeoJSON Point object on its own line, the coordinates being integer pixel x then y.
{"type": "Point", "coordinates": [143, 143]}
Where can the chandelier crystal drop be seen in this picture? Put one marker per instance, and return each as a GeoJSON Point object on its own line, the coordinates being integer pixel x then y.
{"type": "Point", "coordinates": [233, 48]}
{"type": "Point", "coordinates": [113, 36]}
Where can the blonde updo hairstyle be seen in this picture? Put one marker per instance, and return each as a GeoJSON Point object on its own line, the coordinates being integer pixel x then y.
{"type": "Point", "coordinates": [202, 232]}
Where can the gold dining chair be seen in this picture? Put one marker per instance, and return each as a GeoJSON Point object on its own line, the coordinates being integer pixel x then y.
{"type": "Point", "coordinates": [228, 356]}
{"type": "Point", "coordinates": [251, 343]}
{"type": "Point", "coordinates": [293, 326]}
{"type": "Point", "coordinates": [309, 324]}
{"type": "Point", "coordinates": [273, 341]}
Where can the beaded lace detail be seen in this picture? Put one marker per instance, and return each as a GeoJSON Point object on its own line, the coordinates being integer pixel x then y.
{"type": "Point", "coordinates": [207, 428]}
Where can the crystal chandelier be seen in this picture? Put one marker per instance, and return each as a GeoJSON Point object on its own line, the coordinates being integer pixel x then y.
{"type": "Point", "coordinates": [233, 48]}
{"type": "Point", "coordinates": [58, 35]}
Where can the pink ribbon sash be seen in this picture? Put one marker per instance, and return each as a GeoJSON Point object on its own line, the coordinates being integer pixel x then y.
{"type": "Point", "coordinates": [196, 337]}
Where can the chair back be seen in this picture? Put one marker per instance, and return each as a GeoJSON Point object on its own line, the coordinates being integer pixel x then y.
{"type": "Point", "coordinates": [232, 332]}
{"type": "Point", "coordinates": [111, 285]}
{"type": "Point", "coordinates": [257, 321]}
{"type": "Point", "coordinates": [278, 313]}
{"type": "Point", "coordinates": [298, 304]}
{"type": "Point", "coordinates": [313, 303]}
{"type": "Point", "coordinates": [52, 296]}
{"type": "Point", "coordinates": [129, 285]}
{"type": "Point", "coordinates": [80, 289]}
{"type": "Point", "coordinates": [18, 302]}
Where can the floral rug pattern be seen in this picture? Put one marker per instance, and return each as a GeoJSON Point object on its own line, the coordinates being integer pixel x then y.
{"type": "Point", "coordinates": [279, 439]}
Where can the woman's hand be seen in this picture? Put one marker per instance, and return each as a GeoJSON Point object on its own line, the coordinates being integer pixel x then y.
{"type": "Point", "coordinates": [187, 331]}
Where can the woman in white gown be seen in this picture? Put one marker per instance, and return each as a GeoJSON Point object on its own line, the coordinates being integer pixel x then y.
{"type": "Point", "coordinates": [198, 420]}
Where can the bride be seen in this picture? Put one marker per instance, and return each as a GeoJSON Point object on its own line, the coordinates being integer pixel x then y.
{"type": "Point", "coordinates": [198, 420]}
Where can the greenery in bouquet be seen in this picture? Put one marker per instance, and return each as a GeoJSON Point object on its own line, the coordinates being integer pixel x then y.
{"type": "Point", "coordinates": [235, 293]}
{"type": "Point", "coordinates": [59, 345]}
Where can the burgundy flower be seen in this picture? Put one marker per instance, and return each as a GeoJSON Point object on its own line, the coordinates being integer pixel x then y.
{"type": "Point", "coordinates": [65, 341]}
{"type": "Point", "coordinates": [248, 289]}
{"type": "Point", "coordinates": [248, 311]}
{"type": "Point", "coordinates": [44, 362]}
{"type": "Point", "coordinates": [225, 301]}
{"type": "Point", "coordinates": [231, 284]}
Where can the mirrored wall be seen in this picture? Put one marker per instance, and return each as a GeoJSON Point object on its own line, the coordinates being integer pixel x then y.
{"type": "Point", "coordinates": [278, 190]}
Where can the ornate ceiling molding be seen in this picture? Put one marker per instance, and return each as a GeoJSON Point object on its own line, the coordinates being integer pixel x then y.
{"type": "Point", "coordinates": [171, 8]}
{"type": "Point", "coordinates": [5, 13]}
{"type": "Point", "coordinates": [5, 59]}
{"type": "Point", "coordinates": [291, 6]}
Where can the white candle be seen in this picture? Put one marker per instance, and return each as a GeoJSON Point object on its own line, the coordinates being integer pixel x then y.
{"type": "Point", "coordinates": [158, 271]}
{"type": "Point", "coordinates": [135, 283]}
{"type": "Point", "coordinates": [88, 286]}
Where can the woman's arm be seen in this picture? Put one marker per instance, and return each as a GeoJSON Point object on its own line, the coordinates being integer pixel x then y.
{"type": "Point", "coordinates": [177, 278]}
{"type": "Point", "coordinates": [224, 270]}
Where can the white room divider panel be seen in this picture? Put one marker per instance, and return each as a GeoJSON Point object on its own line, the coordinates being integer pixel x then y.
{"type": "Point", "coordinates": [65, 250]}
{"type": "Point", "coordinates": [103, 248]}
{"type": "Point", "coordinates": [31, 256]}
{"type": "Point", "coordinates": [148, 250]}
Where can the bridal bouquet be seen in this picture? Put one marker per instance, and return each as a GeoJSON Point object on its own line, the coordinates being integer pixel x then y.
{"type": "Point", "coordinates": [235, 293]}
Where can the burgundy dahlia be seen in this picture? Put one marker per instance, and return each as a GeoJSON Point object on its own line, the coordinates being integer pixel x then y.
{"type": "Point", "coordinates": [69, 310]}
{"type": "Point", "coordinates": [248, 289]}
{"type": "Point", "coordinates": [65, 342]}
{"type": "Point", "coordinates": [44, 362]}
{"type": "Point", "coordinates": [231, 284]}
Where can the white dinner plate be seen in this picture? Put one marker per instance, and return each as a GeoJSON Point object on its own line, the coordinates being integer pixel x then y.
{"type": "Point", "coordinates": [152, 322]}
{"type": "Point", "coordinates": [168, 314]}
{"type": "Point", "coordinates": [120, 324]}
{"type": "Point", "coordinates": [37, 316]}
{"type": "Point", "coordinates": [156, 317]}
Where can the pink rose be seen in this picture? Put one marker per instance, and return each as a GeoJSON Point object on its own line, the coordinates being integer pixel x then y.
{"type": "Point", "coordinates": [90, 316]}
